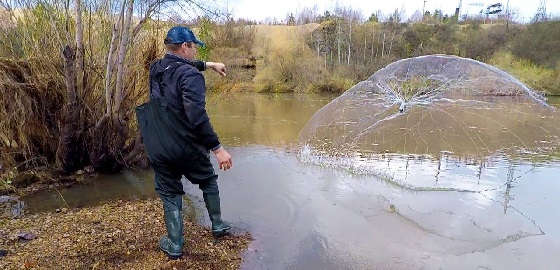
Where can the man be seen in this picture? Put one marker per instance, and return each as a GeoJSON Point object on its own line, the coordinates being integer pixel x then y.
{"type": "Point", "coordinates": [178, 136]}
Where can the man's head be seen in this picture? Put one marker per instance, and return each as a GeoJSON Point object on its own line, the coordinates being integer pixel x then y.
{"type": "Point", "coordinates": [181, 40]}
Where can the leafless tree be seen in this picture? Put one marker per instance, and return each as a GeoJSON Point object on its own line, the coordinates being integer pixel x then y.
{"type": "Point", "coordinates": [111, 124]}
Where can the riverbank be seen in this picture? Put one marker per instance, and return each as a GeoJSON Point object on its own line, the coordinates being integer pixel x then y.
{"type": "Point", "coordinates": [115, 235]}
{"type": "Point", "coordinates": [22, 183]}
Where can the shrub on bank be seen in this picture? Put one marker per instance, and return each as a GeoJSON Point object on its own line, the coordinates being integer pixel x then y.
{"type": "Point", "coordinates": [288, 65]}
{"type": "Point", "coordinates": [538, 77]}
{"type": "Point", "coordinates": [540, 43]}
{"type": "Point", "coordinates": [481, 43]}
{"type": "Point", "coordinates": [335, 84]}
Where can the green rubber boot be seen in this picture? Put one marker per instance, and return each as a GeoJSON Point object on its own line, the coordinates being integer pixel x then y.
{"type": "Point", "coordinates": [212, 201]}
{"type": "Point", "coordinates": [172, 243]}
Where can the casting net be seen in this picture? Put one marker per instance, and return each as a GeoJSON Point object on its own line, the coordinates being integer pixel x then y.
{"type": "Point", "coordinates": [431, 105]}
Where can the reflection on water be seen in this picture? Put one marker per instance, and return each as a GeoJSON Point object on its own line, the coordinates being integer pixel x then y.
{"type": "Point", "coordinates": [446, 172]}
{"type": "Point", "coordinates": [128, 185]}
{"type": "Point", "coordinates": [464, 128]}
{"type": "Point", "coordinates": [417, 212]}
{"type": "Point", "coordinates": [264, 119]}
{"type": "Point", "coordinates": [555, 101]}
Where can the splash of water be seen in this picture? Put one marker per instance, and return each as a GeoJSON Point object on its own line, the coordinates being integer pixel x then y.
{"type": "Point", "coordinates": [431, 107]}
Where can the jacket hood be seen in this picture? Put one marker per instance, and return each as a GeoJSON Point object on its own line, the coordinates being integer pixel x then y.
{"type": "Point", "coordinates": [167, 62]}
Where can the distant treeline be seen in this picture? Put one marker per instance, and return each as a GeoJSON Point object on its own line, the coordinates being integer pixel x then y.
{"type": "Point", "coordinates": [348, 48]}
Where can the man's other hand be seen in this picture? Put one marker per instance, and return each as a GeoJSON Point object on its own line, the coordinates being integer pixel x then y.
{"type": "Point", "coordinates": [220, 68]}
{"type": "Point", "coordinates": [224, 159]}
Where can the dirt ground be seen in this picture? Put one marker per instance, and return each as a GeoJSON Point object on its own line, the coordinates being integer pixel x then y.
{"type": "Point", "coordinates": [116, 235]}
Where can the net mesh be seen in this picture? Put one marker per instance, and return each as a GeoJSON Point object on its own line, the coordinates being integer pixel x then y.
{"type": "Point", "coordinates": [435, 104]}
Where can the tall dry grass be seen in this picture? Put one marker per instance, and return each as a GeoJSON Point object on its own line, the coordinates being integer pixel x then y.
{"type": "Point", "coordinates": [231, 43]}
{"type": "Point", "coordinates": [33, 85]}
{"type": "Point", "coordinates": [33, 91]}
{"type": "Point", "coordinates": [288, 64]}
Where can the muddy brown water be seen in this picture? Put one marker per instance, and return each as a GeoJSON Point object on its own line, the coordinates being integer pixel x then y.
{"type": "Point", "coordinates": [554, 100]}
{"type": "Point", "coordinates": [502, 215]}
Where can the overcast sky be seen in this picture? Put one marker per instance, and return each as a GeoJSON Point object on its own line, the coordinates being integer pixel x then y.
{"type": "Point", "coordinates": [261, 9]}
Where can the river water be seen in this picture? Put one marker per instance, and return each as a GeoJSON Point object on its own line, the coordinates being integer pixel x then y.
{"type": "Point", "coordinates": [502, 214]}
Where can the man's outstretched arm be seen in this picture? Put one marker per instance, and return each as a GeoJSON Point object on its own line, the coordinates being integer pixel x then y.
{"type": "Point", "coordinates": [220, 68]}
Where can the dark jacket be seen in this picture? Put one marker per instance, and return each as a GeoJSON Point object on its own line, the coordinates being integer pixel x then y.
{"type": "Point", "coordinates": [179, 82]}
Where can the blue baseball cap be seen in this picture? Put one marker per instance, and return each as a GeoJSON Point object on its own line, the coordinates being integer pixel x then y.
{"type": "Point", "coordinates": [181, 34]}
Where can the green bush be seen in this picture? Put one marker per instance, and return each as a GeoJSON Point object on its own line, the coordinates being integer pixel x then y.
{"type": "Point", "coordinates": [538, 77]}
{"type": "Point", "coordinates": [539, 42]}
{"type": "Point", "coordinates": [335, 84]}
{"type": "Point", "coordinates": [481, 43]}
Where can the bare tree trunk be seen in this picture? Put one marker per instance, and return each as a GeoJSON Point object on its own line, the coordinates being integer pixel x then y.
{"type": "Point", "coordinates": [110, 133]}
{"type": "Point", "coordinates": [79, 49]}
{"type": "Point", "coordinates": [365, 48]}
{"type": "Point", "coordinates": [383, 49]}
{"type": "Point", "coordinates": [349, 43]}
{"type": "Point", "coordinates": [69, 153]}
{"type": "Point", "coordinates": [331, 57]}
{"type": "Point", "coordinates": [110, 61]}
{"type": "Point", "coordinates": [318, 45]}
{"type": "Point", "coordinates": [391, 44]}
{"type": "Point", "coordinates": [125, 31]}
{"type": "Point", "coordinates": [338, 40]}
{"type": "Point", "coordinates": [372, 42]}
{"type": "Point", "coordinates": [70, 74]}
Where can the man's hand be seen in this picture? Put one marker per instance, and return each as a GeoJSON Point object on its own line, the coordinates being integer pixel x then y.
{"type": "Point", "coordinates": [220, 68]}
{"type": "Point", "coordinates": [224, 158]}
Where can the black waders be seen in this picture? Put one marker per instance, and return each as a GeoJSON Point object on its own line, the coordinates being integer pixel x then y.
{"type": "Point", "coordinates": [173, 154]}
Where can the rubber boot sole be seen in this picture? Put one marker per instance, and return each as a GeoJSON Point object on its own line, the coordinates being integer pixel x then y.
{"type": "Point", "coordinates": [171, 257]}
{"type": "Point", "coordinates": [221, 233]}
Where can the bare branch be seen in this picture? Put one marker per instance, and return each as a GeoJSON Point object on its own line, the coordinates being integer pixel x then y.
{"type": "Point", "coordinates": [110, 62]}
{"type": "Point", "coordinates": [118, 98]}
{"type": "Point", "coordinates": [79, 49]}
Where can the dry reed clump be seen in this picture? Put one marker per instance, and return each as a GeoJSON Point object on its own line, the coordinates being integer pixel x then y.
{"type": "Point", "coordinates": [30, 105]}
{"type": "Point", "coordinates": [34, 93]}
{"type": "Point", "coordinates": [32, 82]}
{"type": "Point", "coordinates": [240, 70]}
{"type": "Point", "coordinates": [288, 64]}
{"type": "Point", "coordinates": [230, 43]}
{"type": "Point", "coordinates": [230, 35]}
{"type": "Point", "coordinates": [331, 84]}
{"type": "Point", "coordinates": [5, 19]}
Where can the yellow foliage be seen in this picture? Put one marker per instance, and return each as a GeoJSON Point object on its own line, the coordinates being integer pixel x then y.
{"type": "Point", "coordinates": [288, 64]}
{"type": "Point", "coordinates": [537, 77]}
